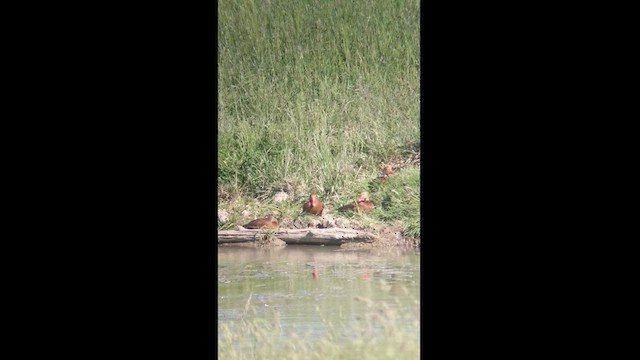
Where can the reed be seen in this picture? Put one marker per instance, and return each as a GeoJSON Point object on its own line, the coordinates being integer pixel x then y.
{"type": "Point", "coordinates": [381, 333]}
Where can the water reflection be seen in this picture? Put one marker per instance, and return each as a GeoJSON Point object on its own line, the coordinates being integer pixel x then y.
{"type": "Point", "coordinates": [300, 289]}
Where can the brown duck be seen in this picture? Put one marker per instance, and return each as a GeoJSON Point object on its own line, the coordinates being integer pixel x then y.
{"type": "Point", "coordinates": [385, 174]}
{"type": "Point", "coordinates": [363, 205]}
{"type": "Point", "coordinates": [314, 205]}
{"type": "Point", "coordinates": [269, 222]}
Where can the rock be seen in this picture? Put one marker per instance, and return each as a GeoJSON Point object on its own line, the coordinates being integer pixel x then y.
{"type": "Point", "coordinates": [327, 217]}
{"type": "Point", "coordinates": [280, 197]}
{"type": "Point", "coordinates": [270, 241]}
{"type": "Point", "coordinates": [223, 216]}
{"type": "Point", "coordinates": [342, 223]}
{"type": "Point", "coordinates": [286, 223]}
{"type": "Point", "coordinates": [313, 223]}
{"type": "Point", "coordinates": [245, 213]}
{"type": "Point", "coordinates": [328, 222]}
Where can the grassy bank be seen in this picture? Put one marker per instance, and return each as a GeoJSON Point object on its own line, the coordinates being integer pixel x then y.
{"type": "Point", "coordinates": [313, 95]}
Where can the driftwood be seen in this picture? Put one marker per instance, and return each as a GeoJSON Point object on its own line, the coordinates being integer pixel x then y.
{"type": "Point", "coordinates": [331, 236]}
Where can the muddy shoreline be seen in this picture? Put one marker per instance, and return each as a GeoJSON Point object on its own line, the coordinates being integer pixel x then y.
{"type": "Point", "coordinates": [384, 235]}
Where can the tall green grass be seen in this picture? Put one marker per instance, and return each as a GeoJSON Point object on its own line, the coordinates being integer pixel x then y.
{"type": "Point", "coordinates": [313, 94]}
{"type": "Point", "coordinates": [399, 199]}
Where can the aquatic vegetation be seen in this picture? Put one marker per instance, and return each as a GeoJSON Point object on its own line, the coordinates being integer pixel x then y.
{"type": "Point", "coordinates": [382, 333]}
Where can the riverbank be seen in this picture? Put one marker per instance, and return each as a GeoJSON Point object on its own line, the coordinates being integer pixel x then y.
{"type": "Point", "coordinates": [318, 99]}
{"type": "Point", "coordinates": [395, 220]}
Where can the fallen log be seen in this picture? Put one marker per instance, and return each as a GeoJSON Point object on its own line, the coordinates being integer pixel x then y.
{"type": "Point", "coordinates": [331, 236]}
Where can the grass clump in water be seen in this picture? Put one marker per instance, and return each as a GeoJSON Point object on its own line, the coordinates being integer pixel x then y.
{"type": "Point", "coordinates": [381, 333]}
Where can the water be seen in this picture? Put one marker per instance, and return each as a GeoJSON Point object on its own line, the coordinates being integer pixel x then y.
{"type": "Point", "coordinates": [306, 291]}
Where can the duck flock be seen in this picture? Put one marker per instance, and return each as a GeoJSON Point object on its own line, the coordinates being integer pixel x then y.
{"type": "Point", "coordinates": [315, 207]}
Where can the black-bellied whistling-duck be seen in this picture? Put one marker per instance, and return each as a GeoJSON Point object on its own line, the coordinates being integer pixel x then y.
{"type": "Point", "coordinates": [363, 205]}
{"type": "Point", "coordinates": [269, 222]}
{"type": "Point", "coordinates": [385, 174]}
{"type": "Point", "coordinates": [314, 205]}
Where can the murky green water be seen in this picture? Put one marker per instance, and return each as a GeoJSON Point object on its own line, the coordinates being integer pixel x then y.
{"type": "Point", "coordinates": [306, 291]}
